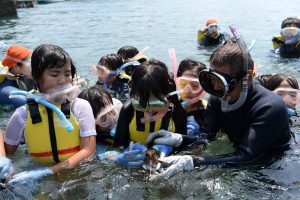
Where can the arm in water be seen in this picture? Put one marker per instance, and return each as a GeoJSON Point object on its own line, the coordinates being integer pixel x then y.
{"type": "Point", "coordinates": [6, 167]}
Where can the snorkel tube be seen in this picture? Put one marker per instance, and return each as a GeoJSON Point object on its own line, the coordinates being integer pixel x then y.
{"type": "Point", "coordinates": [172, 55]}
{"type": "Point", "coordinates": [118, 71]}
{"type": "Point", "coordinates": [225, 106]}
{"type": "Point", "coordinates": [64, 122]}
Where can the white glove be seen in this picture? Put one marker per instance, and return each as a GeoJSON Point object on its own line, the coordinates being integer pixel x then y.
{"type": "Point", "coordinates": [6, 167]}
{"type": "Point", "coordinates": [165, 137]}
{"type": "Point", "coordinates": [177, 164]}
{"type": "Point", "coordinates": [25, 176]}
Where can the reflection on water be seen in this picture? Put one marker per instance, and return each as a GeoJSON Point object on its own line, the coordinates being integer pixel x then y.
{"type": "Point", "coordinates": [90, 29]}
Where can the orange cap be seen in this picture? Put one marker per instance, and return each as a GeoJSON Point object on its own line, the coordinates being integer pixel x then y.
{"type": "Point", "coordinates": [15, 54]}
{"type": "Point", "coordinates": [211, 21]}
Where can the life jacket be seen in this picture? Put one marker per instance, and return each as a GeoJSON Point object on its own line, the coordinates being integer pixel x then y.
{"type": "Point", "coordinates": [4, 71]}
{"type": "Point", "coordinates": [278, 40]}
{"type": "Point", "coordinates": [47, 140]}
{"type": "Point", "coordinates": [139, 131]}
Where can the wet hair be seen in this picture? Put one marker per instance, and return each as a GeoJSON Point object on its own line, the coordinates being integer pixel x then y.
{"type": "Point", "coordinates": [48, 56]}
{"type": "Point", "coordinates": [277, 79]}
{"type": "Point", "coordinates": [290, 20]}
{"type": "Point", "coordinates": [97, 96]}
{"type": "Point", "coordinates": [111, 61]}
{"type": "Point", "coordinates": [230, 55]}
{"type": "Point", "coordinates": [127, 52]}
{"type": "Point", "coordinates": [264, 80]}
{"type": "Point", "coordinates": [150, 77]}
{"type": "Point", "coordinates": [190, 64]}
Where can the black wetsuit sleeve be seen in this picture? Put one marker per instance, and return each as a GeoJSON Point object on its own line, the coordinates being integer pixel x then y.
{"type": "Point", "coordinates": [122, 136]}
{"type": "Point", "coordinates": [268, 132]}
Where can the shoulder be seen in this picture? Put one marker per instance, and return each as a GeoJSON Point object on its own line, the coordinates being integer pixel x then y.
{"type": "Point", "coordinates": [267, 101]}
{"type": "Point", "coordinates": [80, 106]}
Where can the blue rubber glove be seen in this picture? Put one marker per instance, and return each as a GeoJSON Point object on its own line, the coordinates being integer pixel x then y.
{"type": "Point", "coordinates": [6, 167]}
{"type": "Point", "coordinates": [132, 157]}
{"type": "Point", "coordinates": [25, 176]}
{"type": "Point", "coordinates": [192, 127]}
{"type": "Point", "coordinates": [165, 150]}
{"type": "Point", "coordinates": [291, 112]}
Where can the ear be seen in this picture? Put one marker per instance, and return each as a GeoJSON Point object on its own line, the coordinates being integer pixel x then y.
{"type": "Point", "coordinates": [251, 73]}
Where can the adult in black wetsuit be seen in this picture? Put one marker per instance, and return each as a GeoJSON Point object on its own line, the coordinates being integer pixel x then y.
{"type": "Point", "coordinates": [254, 118]}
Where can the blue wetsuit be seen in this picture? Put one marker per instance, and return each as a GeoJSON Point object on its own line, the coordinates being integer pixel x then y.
{"type": "Point", "coordinates": [5, 88]}
{"type": "Point", "coordinates": [260, 127]}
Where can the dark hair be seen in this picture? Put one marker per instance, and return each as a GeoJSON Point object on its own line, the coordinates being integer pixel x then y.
{"type": "Point", "coordinates": [290, 20]}
{"type": "Point", "coordinates": [127, 52]}
{"type": "Point", "coordinates": [264, 80]}
{"type": "Point", "coordinates": [48, 56]}
{"type": "Point", "coordinates": [96, 96]}
{"type": "Point", "coordinates": [151, 77]}
{"type": "Point", "coordinates": [277, 79]}
{"type": "Point", "coordinates": [230, 55]}
{"type": "Point", "coordinates": [111, 61]}
{"type": "Point", "coordinates": [188, 64]}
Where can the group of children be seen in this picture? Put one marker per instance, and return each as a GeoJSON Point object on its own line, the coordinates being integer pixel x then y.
{"type": "Point", "coordinates": [286, 44]}
{"type": "Point", "coordinates": [133, 97]}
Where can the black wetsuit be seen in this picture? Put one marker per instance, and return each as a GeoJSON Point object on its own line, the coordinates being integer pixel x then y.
{"type": "Point", "coordinates": [211, 41]}
{"type": "Point", "coordinates": [259, 127]}
{"type": "Point", "coordinates": [122, 137]}
{"type": "Point", "coordinates": [289, 50]}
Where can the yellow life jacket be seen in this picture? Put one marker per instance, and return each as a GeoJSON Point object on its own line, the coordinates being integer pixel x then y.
{"type": "Point", "coordinates": [46, 139]}
{"type": "Point", "coordinates": [4, 71]}
{"type": "Point", "coordinates": [277, 41]}
{"type": "Point", "coordinates": [200, 36]}
{"type": "Point", "coordinates": [139, 131]}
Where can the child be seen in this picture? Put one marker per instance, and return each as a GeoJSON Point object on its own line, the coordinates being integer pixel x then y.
{"type": "Point", "coordinates": [211, 35]}
{"type": "Point", "coordinates": [187, 81]}
{"type": "Point", "coordinates": [286, 86]}
{"type": "Point", "coordinates": [17, 65]}
{"type": "Point", "coordinates": [106, 111]}
{"type": "Point", "coordinates": [149, 109]}
{"type": "Point", "coordinates": [129, 52]}
{"type": "Point", "coordinates": [47, 141]}
{"type": "Point", "coordinates": [287, 44]}
{"type": "Point", "coordinates": [116, 86]}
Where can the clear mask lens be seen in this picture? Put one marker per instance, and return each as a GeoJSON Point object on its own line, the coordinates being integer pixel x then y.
{"type": "Point", "coordinates": [289, 95]}
{"type": "Point", "coordinates": [108, 117]}
{"type": "Point", "coordinates": [213, 28]}
{"type": "Point", "coordinates": [63, 93]}
{"type": "Point", "coordinates": [101, 71]}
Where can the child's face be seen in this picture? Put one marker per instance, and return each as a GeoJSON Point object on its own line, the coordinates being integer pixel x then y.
{"type": "Point", "coordinates": [288, 97]}
{"type": "Point", "coordinates": [54, 77]}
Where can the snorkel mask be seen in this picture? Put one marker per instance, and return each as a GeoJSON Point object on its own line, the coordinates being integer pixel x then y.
{"type": "Point", "coordinates": [213, 28]}
{"type": "Point", "coordinates": [290, 96]}
{"type": "Point", "coordinates": [154, 110]}
{"type": "Point", "coordinates": [220, 85]}
{"type": "Point", "coordinates": [63, 93]}
{"type": "Point", "coordinates": [118, 71]}
{"type": "Point", "coordinates": [108, 117]}
{"type": "Point", "coordinates": [290, 34]}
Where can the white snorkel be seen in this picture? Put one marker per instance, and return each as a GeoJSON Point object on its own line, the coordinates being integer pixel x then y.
{"type": "Point", "coordinates": [225, 106]}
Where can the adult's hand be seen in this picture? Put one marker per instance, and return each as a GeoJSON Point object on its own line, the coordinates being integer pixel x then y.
{"type": "Point", "coordinates": [165, 137]}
